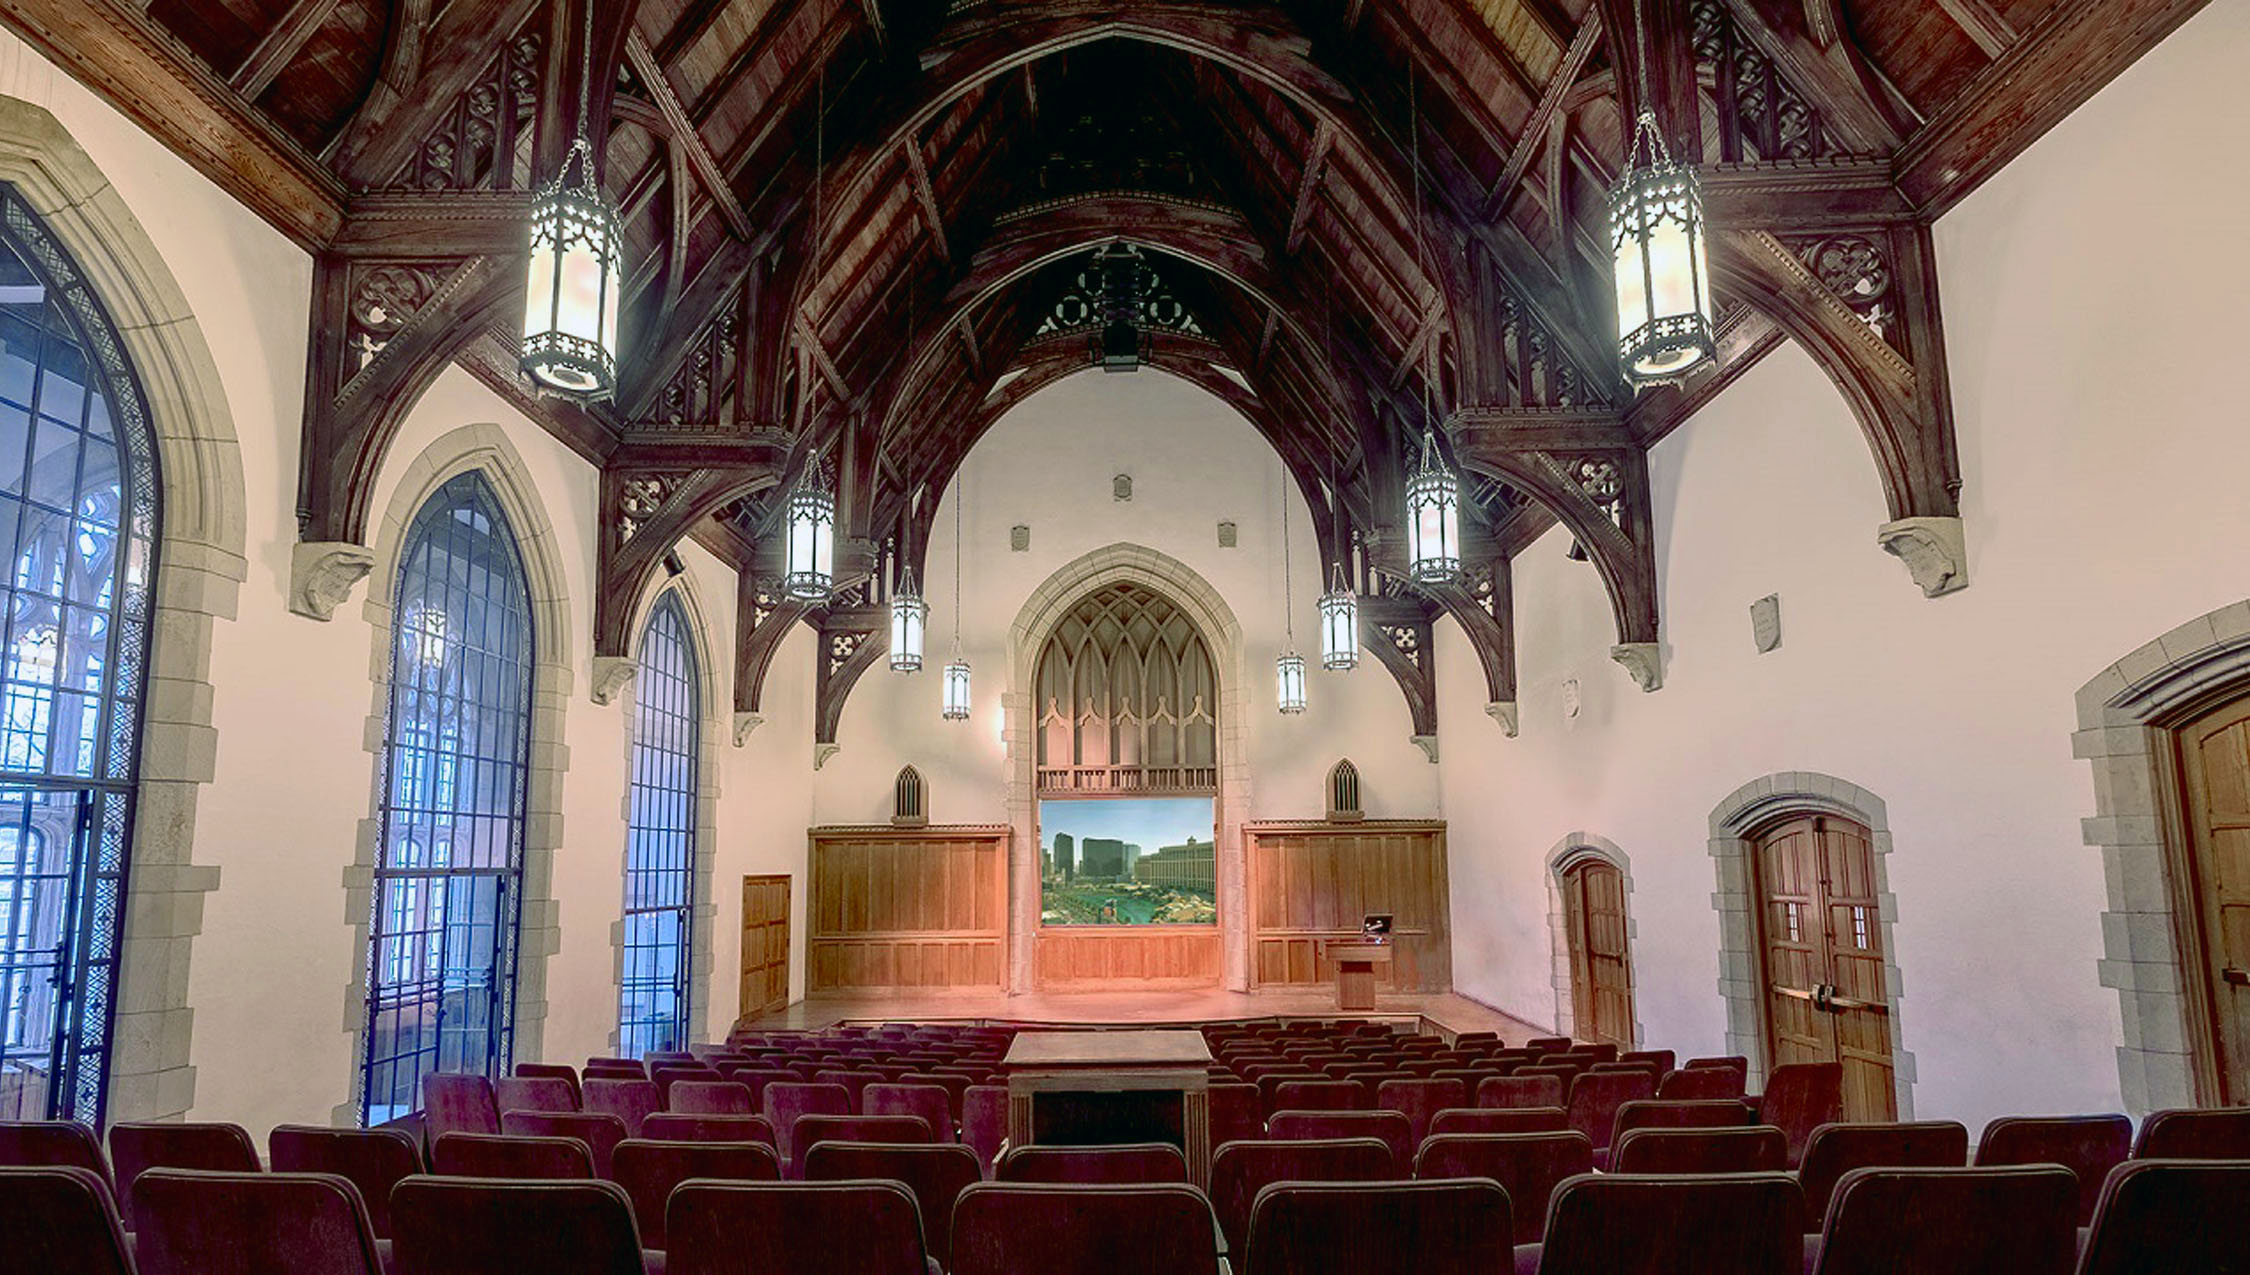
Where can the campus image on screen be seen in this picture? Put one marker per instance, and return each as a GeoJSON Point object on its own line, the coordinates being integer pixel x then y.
{"type": "Point", "coordinates": [1128, 861]}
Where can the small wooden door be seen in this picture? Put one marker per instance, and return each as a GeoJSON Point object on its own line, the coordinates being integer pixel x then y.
{"type": "Point", "coordinates": [1822, 943]}
{"type": "Point", "coordinates": [765, 945]}
{"type": "Point", "coordinates": [2215, 773]}
{"type": "Point", "coordinates": [1601, 970]}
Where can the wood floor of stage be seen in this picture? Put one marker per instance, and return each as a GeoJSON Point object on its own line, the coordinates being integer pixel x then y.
{"type": "Point", "coordinates": [1444, 1013]}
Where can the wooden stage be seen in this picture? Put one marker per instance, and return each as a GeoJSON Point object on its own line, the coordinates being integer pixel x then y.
{"type": "Point", "coordinates": [1440, 1013]}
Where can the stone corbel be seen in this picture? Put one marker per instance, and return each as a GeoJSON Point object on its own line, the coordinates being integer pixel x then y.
{"type": "Point", "coordinates": [322, 574]}
{"type": "Point", "coordinates": [1644, 660]}
{"type": "Point", "coordinates": [1428, 745]}
{"type": "Point", "coordinates": [1934, 550]}
{"type": "Point", "coordinates": [822, 752]}
{"type": "Point", "coordinates": [744, 723]}
{"type": "Point", "coordinates": [611, 673]}
{"type": "Point", "coordinates": [1503, 712]}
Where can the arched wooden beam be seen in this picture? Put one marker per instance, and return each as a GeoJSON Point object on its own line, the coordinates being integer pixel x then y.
{"type": "Point", "coordinates": [354, 410]}
{"type": "Point", "coordinates": [762, 619]}
{"type": "Point", "coordinates": [1260, 42]}
{"type": "Point", "coordinates": [1395, 629]}
{"type": "Point", "coordinates": [688, 488]}
{"type": "Point", "coordinates": [1622, 549]}
{"type": "Point", "coordinates": [868, 630]}
{"type": "Point", "coordinates": [1902, 403]}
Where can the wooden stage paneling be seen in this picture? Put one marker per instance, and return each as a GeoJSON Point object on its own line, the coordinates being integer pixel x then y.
{"type": "Point", "coordinates": [1443, 1013]}
{"type": "Point", "coordinates": [1312, 883]}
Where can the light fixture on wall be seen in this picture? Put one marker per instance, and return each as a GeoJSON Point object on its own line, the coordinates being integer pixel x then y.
{"type": "Point", "coordinates": [957, 668]}
{"type": "Point", "coordinates": [1663, 275]}
{"type": "Point", "coordinates": [1339, 623]}
{"type": "Point", "coordinates": [910, 615]}
{"type": "Point", "coordinates": [809, 569]}
{"type": "Point", "coordinates": [574, 275]}
{"type": "Point", "coordinates": [1433, 517]}
{"type": "Point", "coordinates": [1288, 667]}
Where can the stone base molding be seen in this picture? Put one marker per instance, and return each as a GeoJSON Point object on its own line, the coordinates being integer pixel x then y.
{"type": "Point", "coordinates": [2122, 716]}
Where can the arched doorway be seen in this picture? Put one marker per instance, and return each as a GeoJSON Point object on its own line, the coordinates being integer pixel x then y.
{"type": "Point", "coordinates": [1601, 969]}
{"type": "Point", "coordinates": [1806, 963]}
{"type": "Point", "coordinates": [1821, 955]}
{"type": "Point", "coordinates": [2212, 754]}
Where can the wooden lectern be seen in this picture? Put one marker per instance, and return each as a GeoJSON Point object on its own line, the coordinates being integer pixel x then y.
{"type": "Point", "coordinates": [1096, 1087]}
{"type": "Point", "coordinates": [1356, 963]}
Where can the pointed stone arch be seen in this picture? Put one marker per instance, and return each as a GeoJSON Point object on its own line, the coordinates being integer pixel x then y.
{"type": "Point", "coordinates": [204, 513]}
{"type": "Point", "coordinates": [1568, 853]}
{"type": "Point", "coordinates": [1048, 604]}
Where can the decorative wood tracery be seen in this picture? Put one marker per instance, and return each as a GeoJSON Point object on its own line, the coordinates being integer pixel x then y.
{"type": "Point", "coordinates": [1126, 699]}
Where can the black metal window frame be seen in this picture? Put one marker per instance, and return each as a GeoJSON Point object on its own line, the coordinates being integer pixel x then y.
{"type": "Point", "coordinates": [73, 669]}
{"type": "Point", "coordinates": [444, 935]}
{"type": "Point", "coordinates": [655, 983]}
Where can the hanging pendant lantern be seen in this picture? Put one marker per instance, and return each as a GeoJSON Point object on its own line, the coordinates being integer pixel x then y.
{"type": "Point", "coordinates": [1289, 681]}
{"type": "Point", "coordinates": [810, 569]}
{"type": "Point", "coordinates": [910, 615]}
{"type": "Point", "coordinates": [957, 690]}
{"type": "Point", "coordinates": [1433, 518]}
{"type": "Point", "coordinates": [956, 698]}
{"type": "Point", "coordinates": [574, 281]}
{"type": "Point", "coordinates": [1339, 624]}
{"type": "Point", "coordinates": [1663, 273]}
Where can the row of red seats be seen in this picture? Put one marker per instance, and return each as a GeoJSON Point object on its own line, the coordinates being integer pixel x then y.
{"type": "Point", "coordinates": [2152, 1215]}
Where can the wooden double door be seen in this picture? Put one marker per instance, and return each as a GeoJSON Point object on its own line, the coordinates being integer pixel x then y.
{"type": "Point", "coordinates": [2213, 894]}
{"type": "Point", "coordinates": [1601, 970]}
{"type": "Point", "coordinates": [1821, 947]}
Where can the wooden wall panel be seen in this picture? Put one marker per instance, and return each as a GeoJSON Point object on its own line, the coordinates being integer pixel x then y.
{"type": "Point", "coordinates": [1313, 882]}
{"type": "Point", "coordinates": [1122, 957]}
{"type": "Point", "coordinates": [917, 908]}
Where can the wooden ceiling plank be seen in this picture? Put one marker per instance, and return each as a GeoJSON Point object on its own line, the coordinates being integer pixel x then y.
{"type": "Point", "coordinates": [1308, 186]}
{"type": "Point", "coordinates": [1985, 26]}
{"type": "Point", "coordinates": [918, 167]}
{"type": "Point", "coordinates": [757, 49]}
{"type": "Point", "coordinates": [2077, 48]}
{"type": "Point", "coordinates": [689, 28]}
{"type": "Point", "coordinates": [280, 44]}
{"type": "Point", "coordinates": [396, 117]}
{"type": "Point", "coordinates": [1582, 48]}
{"type": "Point", "coordinates": [145, 72]}
{"type": "Point", "coordinates": [690, 142]}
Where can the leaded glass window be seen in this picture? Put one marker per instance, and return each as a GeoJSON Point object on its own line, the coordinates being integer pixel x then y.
{"type": "Point", "coordinates": [456, 766]}
{"type": "Point", "coordinates": [653, 991]}
{"type": "Point", "coordinates": [78, 518]}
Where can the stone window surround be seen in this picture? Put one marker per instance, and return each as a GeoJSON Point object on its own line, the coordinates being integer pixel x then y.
{"type": "Point", "coordinates": [1748, 808]}
{"type": "Point", "coordinates": [201, 567]}
{"type": "Point", "coordinates": [711, 714]}
{"type": "Point", "coordinates": [483, 447]}
{"type": "Point", "coordinates": [1567, 854]}
{"type": "Point", "coordinates": [2121, 716]}
{"type": "Point", "coordinates": [1222, 634]}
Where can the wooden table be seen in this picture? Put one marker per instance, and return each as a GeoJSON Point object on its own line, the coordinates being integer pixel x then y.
{"type": "Point", "coordinates": [1131, 1081]}
{"type": "Point", "coordinates": [1356, 963]}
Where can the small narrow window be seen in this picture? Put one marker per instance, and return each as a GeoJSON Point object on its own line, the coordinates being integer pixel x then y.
{"type": "Point", "coordinates": [909, 807]}
{"type": "Point", "coordinates": [1343, 792]}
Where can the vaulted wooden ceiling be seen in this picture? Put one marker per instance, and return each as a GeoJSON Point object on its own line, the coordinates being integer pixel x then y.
{"type": "Point", "coordinates": [858, 228]}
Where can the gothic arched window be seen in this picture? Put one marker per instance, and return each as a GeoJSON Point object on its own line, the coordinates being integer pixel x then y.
{"type": "Point", "coordinates": [78, 516]}
{"type": "Point", "coordinates": [456, 767]}
{"type": "Point", "coordinates": [654, 989]}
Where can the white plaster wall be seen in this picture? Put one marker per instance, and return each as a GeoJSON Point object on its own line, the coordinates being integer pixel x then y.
{"type": "Point", "coordinates": [1048, 464]}
{"type": "Point", "coordinates": [2090, 301]}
